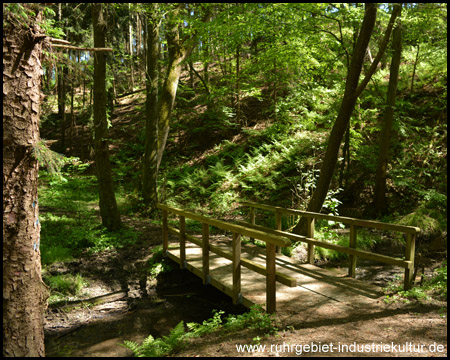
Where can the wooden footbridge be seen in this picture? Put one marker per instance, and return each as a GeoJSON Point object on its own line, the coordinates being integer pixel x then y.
{"type": "Point", "coordinates": [248, 275]}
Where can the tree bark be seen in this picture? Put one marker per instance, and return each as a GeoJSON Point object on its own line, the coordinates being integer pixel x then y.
{"type": "Point", "coordinates": [177, 53]}
{"type": "Point", "coordinates": [414, 68]}
{"type": "Point", "coordinates": [150, 163]}
{"type": "Point", "coordinates": [24, 293]}
{"type": "Point", "coordinates": [380, 201]}
{"type": "Point", "coordinates": [178, 49]}
{"type": "Point", "coordinates": [108, 206]}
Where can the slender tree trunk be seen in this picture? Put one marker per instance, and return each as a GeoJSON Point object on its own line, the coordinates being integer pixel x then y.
{"type": "Point", "coordinates": [130, 34]}
{"type": "Point", "coordinates": [380, 201]}
{"type": "Point", "coordinates": [238, 89]}
{"type": "Point", "coordinates": [206, 62]}
{"type": "Point", "coordinates": [150, 161]}
{"type": "Point", "coordinates": [24, 293]}
{"type": "Point", "coordinates": [177, 53]}
{"type": "Point", "coordinates": [108, 206]}
{"type": "Point", "coordinates": [351, 93]}
{"type": "Point", "coordinates": [343, 118]}
{"type": "Point", "coordinates": [414, 69]}
{"type": "Point", "coordinates": [167, 101]}
{"type": "Point", "coordinates": [72, 115]}
{"type": "Point", "coordinates": [345, 156]}
{"type": "Point", "coordinates": [61, 89]}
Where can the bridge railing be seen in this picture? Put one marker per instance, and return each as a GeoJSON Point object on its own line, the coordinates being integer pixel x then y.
{"type": "Point", "coordinates": [407, 263]}
{"type": "Point", "coordinates": [271, 240]}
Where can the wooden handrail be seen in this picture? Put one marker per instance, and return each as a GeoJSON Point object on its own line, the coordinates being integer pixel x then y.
{"type": "Point", "coordinates": [345, 220]}
{"type": "Point", "coordinates": [347, 250]}
{"type": "Point", "coordinates": [409, 231]}
{"type": "Point", "coordinates": [260, 235]}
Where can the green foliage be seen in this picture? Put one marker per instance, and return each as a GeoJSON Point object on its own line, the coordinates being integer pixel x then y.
{"type": "Point", "coordinates": [433, 287]}
{"type": "Point", "coordinates": [69, 219]}
{"type": "Point", "coordinates": [152, 347]}
{"type": "Point", "coordinates": [158, 263]}
{"type": "Point", "coordinates": [366, 240]}
{"type": "Point", "coordinates": [63, 286]}
{"type": "Point", "coordinates": [208, 326]}
{"type": "Point", "coordinates": [50, 159]}
{"type": "Point", "coordinates": [429, 227]}
{"type": "Point", "coordinates": [255, 319]}
{"type": "Point", "coordinates": [65, 236]}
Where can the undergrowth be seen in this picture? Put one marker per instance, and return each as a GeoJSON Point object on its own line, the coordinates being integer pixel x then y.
{"type": "Point", "coordinates": [255, 319]}
{"type": "Point", "coordinates": [64, 286]}
{"type": "Point", "coordinates": [434, 287]}
{"type": "Point", "coordinates": [70, 221]}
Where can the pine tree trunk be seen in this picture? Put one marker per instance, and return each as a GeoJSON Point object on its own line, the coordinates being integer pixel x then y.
{"type": "Point", "coordinates": [108, 206]}
{"type": "Point", "coordinates": [61, 89]}
{"type": "Point", "coordinates": [380, 201]}
{"type": "Point", "coordinates": [24, 293]}
{"type": "Point", "coordinates": [150, 163]}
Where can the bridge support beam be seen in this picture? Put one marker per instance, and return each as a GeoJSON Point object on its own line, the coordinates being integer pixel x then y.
{"type": "Point", "coordinates": [352, 265]}
{"type": "Point", "coordinates": [278, 225]}
{"type": "Point", "coordinates": [236, 245]}
{"type": "Point", "coordinates": [409, 256]}
{"type": "Point", "coordinates": [165, 230]}
{"type": "Point", "coordinates": [205, 253]}
{"type": "Point", "coordinates": [182, 242]}
{"type": "Point", "coordinates": [310, 234]}
{"type": "Point", "coordinates": [270, 278]}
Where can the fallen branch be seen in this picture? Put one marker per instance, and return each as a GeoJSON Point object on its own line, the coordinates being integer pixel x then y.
{"type": "Point", "coordinates": [130, 93]}
{"type": "Point", "coordinates": [92, 301]}
{"type": "Point", "coordinates": [81, 48]}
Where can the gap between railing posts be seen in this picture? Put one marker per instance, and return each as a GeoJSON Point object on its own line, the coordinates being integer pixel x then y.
{"type": "Point", "coordinates": [351, 250]}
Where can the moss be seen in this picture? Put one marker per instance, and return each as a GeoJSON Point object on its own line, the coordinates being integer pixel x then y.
{"type": "Point", "coordinates": [430, 227]}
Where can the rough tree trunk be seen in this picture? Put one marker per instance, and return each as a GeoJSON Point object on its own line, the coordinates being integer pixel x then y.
{"type": "Point", "coordinates": [108, 206]}
{"type": "Point", "coordinates": [24, 293]}
{"type": "Point", "coordinates": [177, 54]}
{"type": "Point", "coordinates": [150, 163]}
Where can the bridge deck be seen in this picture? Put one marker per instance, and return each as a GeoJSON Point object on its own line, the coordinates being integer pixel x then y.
{"type": "Point", "coordinates": [316, 288]}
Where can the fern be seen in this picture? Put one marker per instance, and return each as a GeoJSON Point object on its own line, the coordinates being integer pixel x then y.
{"type": "Point", "coordinates": [49, 159]}
{"type": "Point", "coordinates": [152, 347]}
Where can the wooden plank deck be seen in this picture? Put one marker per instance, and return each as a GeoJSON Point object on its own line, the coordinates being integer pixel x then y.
{"type": "Point", "coordinates": [316, 288]}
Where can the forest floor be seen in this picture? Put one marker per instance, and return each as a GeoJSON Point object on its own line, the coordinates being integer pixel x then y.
{"type": "Point", "coordinates": [141, 305]}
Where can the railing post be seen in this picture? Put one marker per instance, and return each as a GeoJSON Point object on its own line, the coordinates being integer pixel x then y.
{"type": "Point", "coordinates": [270, 278]}
{"type": "Point", "coordinates": [352, 265]}
{"type": "Point", "coordinates": [205, 253]}
{"type": "Point", "coordinates": [165, 230]}
{"type": "Point", "coordinates": [236, 268]}
{"type": "Point", "coordinates": [182, 242]}
{"type": "Point", "coordinates": [409, 256]}
{"type": "Point", "coordinates": [252, 219]}
{"type": "Point", "coordinates": [310, 234]}
{"type": "Point", "coordinates": [278, 225]}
